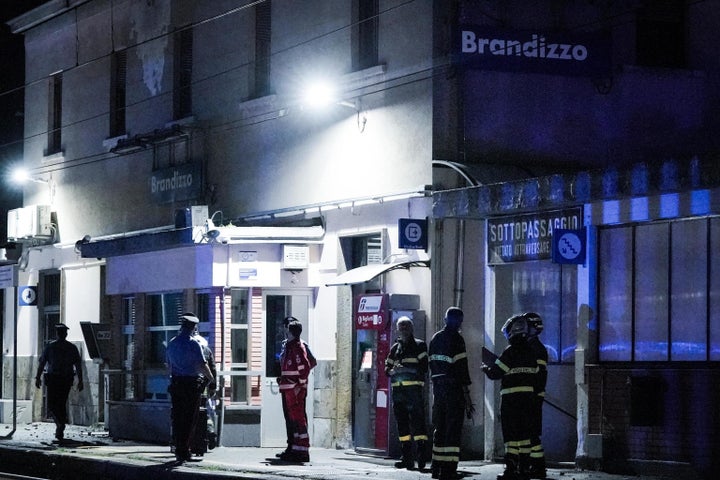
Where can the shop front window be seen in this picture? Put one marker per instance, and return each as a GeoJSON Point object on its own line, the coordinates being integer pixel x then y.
{"type": "Point", "coordinates": [659, 291]}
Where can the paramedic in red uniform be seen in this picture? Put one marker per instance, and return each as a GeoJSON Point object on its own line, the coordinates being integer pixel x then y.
{"type": "Point", "coordinates": [295, 370]}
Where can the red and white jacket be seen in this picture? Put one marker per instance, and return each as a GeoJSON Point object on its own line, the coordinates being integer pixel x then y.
{"type": "Point", "coordinates": [295, 366]}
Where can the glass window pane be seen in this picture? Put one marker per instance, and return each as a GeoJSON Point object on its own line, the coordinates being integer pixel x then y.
{"type": "Point", "coordinates": [239, 299]}
{"type": "Point", "coordinates": [239, 389]}
{"type": "Point", "coordinates": [158, 344]}
{"type": "Point", "coordinates": [688, 308]}
{"type": "Point", "coordinates": [165, 309]}
{"type": "Point", "coordinates": [536, 288]}
{"type": "Point", "coordinates": [651, 292]}
{"type": "Point", "coordinates": [238, 344]}
{"type": "Point", "coordinates": [615, 294]}
{"type": "Point", "coordinates": [715, 290]}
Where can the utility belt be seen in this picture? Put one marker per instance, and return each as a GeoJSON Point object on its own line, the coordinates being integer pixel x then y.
{"type": "Point", "coordinates": [187, 382]}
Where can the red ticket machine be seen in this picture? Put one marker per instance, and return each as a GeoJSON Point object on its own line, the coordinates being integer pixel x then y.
{"type": "Point", "coordinates": [374, 316]}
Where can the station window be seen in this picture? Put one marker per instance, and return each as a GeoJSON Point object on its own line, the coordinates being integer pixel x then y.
{"type": "Point", "coordinates": [545, 288]}
{"type": "Point", "coordinates": [659, 291]}
{"type": "Point", "coordinates": [165, 310]}
{"type": "Point", "coordinates": [239, 337]}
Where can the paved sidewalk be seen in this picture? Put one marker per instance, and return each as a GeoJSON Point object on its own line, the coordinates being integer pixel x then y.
{"type": "Point", "coordinates": [93, 455]}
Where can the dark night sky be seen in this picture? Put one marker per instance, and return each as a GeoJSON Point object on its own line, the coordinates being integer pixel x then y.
{"type": "Point", "coordinates": [11, 103]}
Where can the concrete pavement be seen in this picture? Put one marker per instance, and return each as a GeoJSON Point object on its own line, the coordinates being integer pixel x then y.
{"type": "Point", "coordinates": [91, 454]}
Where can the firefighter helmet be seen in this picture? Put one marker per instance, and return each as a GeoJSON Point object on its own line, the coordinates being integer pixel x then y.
{"type": "Point", "coordinates": [516, 329]}
{"type": "Point", "coordinates": [534, 322]}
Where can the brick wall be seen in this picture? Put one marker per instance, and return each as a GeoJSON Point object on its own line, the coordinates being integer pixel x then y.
{"type": "Point", "coordinates": [657, 414]}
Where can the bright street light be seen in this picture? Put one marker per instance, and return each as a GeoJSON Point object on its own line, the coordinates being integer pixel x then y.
{"type": "Point", "coordinates": [20, 175]}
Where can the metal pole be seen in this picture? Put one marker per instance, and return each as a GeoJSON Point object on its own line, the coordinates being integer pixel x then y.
{"type": "Point", "coordinates": [15, 320]}
{"type": "Point", "coordinates": [221, 381]}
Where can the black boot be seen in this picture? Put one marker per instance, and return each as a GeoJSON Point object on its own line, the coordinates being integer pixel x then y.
{"type": "Point", "coordinates": [421, 454]}
{"type": "Point", "coordinates": [407, 460]}
{"type": "Point", "coordinates": [449, 471]}
{"type": "Point", "coordinates": [537, 469]}
{"type": "Point", "coordinates": [435, 469]}
{"type": "Point", "coordinates": [511, 469]}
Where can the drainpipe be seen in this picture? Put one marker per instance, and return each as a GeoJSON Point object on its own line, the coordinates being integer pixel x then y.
{"type": "Point", "coordinates": [221, 381]}
{"type": "Point", "coordinates": [459, 281]}
{"type": "Point", "coordinates": [15, 320]}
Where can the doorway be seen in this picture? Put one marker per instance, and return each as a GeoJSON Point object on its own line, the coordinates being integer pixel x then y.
{"type": "Point", "coordinates": [277, 305]}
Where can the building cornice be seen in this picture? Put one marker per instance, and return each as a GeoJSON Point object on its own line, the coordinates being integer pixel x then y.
{"type": "Point", "coordinates": [42, 14]}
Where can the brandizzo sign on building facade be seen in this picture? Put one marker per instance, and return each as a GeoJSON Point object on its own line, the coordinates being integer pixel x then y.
{"type": "Point", "coordinates": [558, 53]}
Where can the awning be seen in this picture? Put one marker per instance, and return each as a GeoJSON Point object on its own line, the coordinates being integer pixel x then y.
{"type": "Point", "coordinates": [368, 272]}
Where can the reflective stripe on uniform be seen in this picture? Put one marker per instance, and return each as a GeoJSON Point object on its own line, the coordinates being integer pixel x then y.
{"type": "Point", "coordinates": [537, 451]}
{"type": "Point", "coordinates": [407, 383]}
{"type": "Point", "coordinates": [506, 391]}
{"type": "Point", "coordinates": [445, 358]}
{"type": "Point", "coordinates": [446, 454]}
{"type": "Point", "coordinates": [518, 447]}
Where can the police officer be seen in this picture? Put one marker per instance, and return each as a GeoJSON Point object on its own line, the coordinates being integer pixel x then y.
{"type": "Point", "coordinates": [61, 358]}
{"type": "Point", "coordinates": [451, 393]}
{"type": "Point", "coordinates": [537, 453]}
{"type": "Point", "coordinates": [517, 368]}
{"type": "Point", "coordinates": [189, 374]}
{"type": "Point", "coordinates": [407, 366]}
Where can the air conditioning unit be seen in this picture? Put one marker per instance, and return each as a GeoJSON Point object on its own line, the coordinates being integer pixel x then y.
{"type": "Point", "coordinates": [194, 216]}
{"type": "Point", "coordinates": [29, 222]}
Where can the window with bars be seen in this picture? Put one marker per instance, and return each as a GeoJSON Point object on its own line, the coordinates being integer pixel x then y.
{"type": "Point", "coordinates": [182, 75]}
{"type": "Point", "coordinates": [128, 344]}
{"type": "Point", "coordinates": [48, 306]}
{"type": "Point", "coordinates": [54, 144]}
{"type": "Point", "coordinates": [659, 292]}
{"type": "Point", "coordinates": [366, 44]}
{"type": "Point", "coordinates": [118, 85]}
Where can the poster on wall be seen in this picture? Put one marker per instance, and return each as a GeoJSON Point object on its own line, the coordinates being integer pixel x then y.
{"type": "Point", "coordinates": [521, 238]}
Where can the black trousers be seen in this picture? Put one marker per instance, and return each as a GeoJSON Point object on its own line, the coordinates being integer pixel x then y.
{"type": "Point", "coordinates": [409, 409]}
{"type": "Point", "coordinates": [447, 417]}
{"type": "Point", "coordinates": [185, 394]}
{"type": "Point", "coordinates": [58, 390]}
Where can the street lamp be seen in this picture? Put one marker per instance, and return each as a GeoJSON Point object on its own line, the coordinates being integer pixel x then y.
{"type": "Point", "coordinates": [321, 95]}
{"type": "Point", "coordinates": [21, 176]}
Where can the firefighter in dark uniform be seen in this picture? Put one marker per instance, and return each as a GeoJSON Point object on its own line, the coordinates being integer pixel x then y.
{"type": "Point", "coordinates": [517, 367]}
{"type": "Point", "coordinates": [451, 394]}
{"type": "Point", "coordinates": [63, 362]}
{"type": "Point", "coordinates": [407, 366]}
{"type": "Point", "coordinates": [537, 453]}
